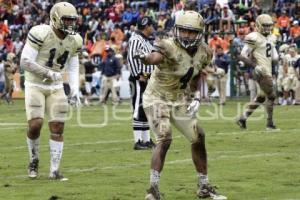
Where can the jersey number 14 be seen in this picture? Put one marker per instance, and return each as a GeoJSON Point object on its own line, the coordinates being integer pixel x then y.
{"type": "Point", "coordinates": [60, 60]}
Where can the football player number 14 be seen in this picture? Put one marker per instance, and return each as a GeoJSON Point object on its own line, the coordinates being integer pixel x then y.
{"type": "Point", "coordinates": [60, 60]}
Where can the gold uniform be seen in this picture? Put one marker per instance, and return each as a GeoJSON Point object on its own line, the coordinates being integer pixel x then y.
{"type": "Point", "coordinates": [263, 50]}
{"type": "Point", "coordinates": [10, 70]}
{"type": "Point", "coordinates": [166, 97]}
{"type": "Point", "coordinates": [53, 53]}
{"type": "Point", "coordinates": [290, 78]}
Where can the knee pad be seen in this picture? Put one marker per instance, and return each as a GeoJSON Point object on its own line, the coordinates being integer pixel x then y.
{"type": "Point", "coordinates": [35, 126]}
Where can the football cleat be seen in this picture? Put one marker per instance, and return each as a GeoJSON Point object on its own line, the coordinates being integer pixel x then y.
{"type": "Point", "coordinates": [209, 191]}
{"type": "Point", "coordinates": [139, 145]}
{"type": "Point", "coordinates": [241, 123]}
{"type": "Point", "coordinates": [33, 168]}
{"type": "Point", "coordinates": [153, 193]}
{"type": "Point", "coordinates": [272, 127]}
{"type": "Point", "coordinates": [56, 175]}
{"type": "Point", "coordinates": [150, 144]}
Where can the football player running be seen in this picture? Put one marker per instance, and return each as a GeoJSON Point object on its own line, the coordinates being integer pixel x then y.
{"type": "Point", "coordinates": [259, 52]}
{"type": "Point", "coordinates": [179, 61]}
{"type": "Point", "coordinates": [48, 52]}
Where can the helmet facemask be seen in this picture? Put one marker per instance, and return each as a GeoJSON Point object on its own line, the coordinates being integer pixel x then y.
{"type": "Point", "coordinates": [69, 24]}
{"type": "Point", "coordinates": [185, 39]}
{"type": "Point", "coordinates": [266, 29]}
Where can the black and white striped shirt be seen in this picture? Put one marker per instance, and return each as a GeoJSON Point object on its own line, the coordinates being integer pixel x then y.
{"type": "Point", "coordinates": [138, 41]}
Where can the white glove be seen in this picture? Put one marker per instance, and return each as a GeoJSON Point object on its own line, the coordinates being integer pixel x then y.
{"type": "Point", "coordinates": [193, 107]}
{"type": "Point", "coordinates": [258, 72]}
{"type": "Point", "coordinates": [74, 100]}
{"type": "Point", "coordinates": [54, 76]}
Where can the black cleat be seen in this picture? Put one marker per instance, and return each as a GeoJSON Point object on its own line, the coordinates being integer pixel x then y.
{"type": "Point", "coordinates": [33, 168]}
{"type": "Point", "coordinates": [139, 145]}
{"type": "Point", "coordinates": [56, 175]}
{"type": "Point", "coordinates": [241, 123]}
{"type": "Point", "coordinates": [153, 193]}
{"type": "Point", "coordinates": [272, 127]}
{"type": "Point", "coordinates": [209, 191]}
{"type": "Point", "coordinates": [150, 144]}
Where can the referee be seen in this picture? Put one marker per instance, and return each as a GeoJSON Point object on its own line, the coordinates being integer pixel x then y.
{"type": "Point", "coordinates": [139, 75]}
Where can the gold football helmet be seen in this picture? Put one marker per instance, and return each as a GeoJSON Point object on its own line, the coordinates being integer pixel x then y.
{"type": "Point", "coordinates": [188, 29]}
{"type": "Point", "coordinates": [63, 16]}
{"type": "Point", "coordinates": [264, 24]}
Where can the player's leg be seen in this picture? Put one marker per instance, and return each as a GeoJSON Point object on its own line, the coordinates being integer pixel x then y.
{"type": "Point", "coordinates": [145, 134]}
{"type": "Point", "coordinates": [115, 97]}
{"type": "Point", "coordinates": [251, 107]}
{"type": "Point", "coordinates": [194, 133]}
{"type": "Point", "coordinates": [57, 108]}
{"type": "Point", "coordinates": [35, 106]}
{"type": "Point", "coordinates": [104, 89]}
{"type": "Point", "coordinates": [159, 121]}
{"type": "Point", "coordinates": [136, 124]}
{"type": "Point", "coordinates": [11, 90]}
{"type": "Point", "coordinates": [266, 85]}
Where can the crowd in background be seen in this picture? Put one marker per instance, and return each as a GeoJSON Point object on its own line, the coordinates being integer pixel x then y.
{"type": "Point", "coordinates": [109, 23]}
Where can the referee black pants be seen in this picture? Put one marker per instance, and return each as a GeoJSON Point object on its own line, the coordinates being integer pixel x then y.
{"type": "Point", "coordinates": [140, 121]}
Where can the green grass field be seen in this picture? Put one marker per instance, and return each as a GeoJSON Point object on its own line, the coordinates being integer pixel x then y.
{"type": "Point", "coordinates": [101, 164]}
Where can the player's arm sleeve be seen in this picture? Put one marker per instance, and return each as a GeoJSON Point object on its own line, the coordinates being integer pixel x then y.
{"type": "Point", "coordinates": [73, 72]}
{"type": "Point", "coordinates": [275, 56]}
{"type": "Point", "coordinates": [164, 48]}
{"type": "Point", "coordinates": [246, 56]}
{"type": "Point", "coordinates": [28, 61]}
{"type": "Point", "coordinates": [78, 45]}
{"type": "Point", "coordinates": [246, 51]}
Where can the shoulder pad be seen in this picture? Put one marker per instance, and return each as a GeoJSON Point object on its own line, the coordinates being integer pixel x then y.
{"type": "Point", "coordinates": [37, 35]}
{"type": "Point", "coordinates": [164, 46]}
{"type": "Point", "coordinates": [251, 39]}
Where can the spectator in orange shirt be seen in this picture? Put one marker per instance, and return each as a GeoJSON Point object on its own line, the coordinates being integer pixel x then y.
{"type": "Point", "coordinates": [283, 23]}
{"type": "Point", "coordinates": [295, 30]}
{"type": "Point", "coordinates": [216, 41]}
{"type": "Point", "coordinates": [118, 34]}
{"type": "Point", "coordinates": [295, 33]}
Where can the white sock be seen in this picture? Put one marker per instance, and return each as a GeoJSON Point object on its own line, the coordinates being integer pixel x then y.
{"type": "Point", "coordinates": [33, 148]}
{"type": "Point", "coordinates": [146, 136]}
{"type": "Point", "coordinates": [137, 135]}
{"type": "Point", "coordinates": [202, 179]}
{"type": "Point", "coordinates": [56, 149]}
{"type": "Point", "coordinates": [154, 177]}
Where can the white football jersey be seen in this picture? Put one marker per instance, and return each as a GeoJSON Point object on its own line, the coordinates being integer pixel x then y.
{"type": "Point", "coordinates": [263, 50]}
{"type": "Point", "coordinates": [53, 53]}
{"type": "Point", "coordinates": [290, 62]}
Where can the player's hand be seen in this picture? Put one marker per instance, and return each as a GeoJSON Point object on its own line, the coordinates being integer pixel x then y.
{"type": "Point", "coordinates": [74, 100]}
{"type": "Point", "coordinates": [258, 72]}
{"type": "Point", "coordinates": [54, 76]}
{"type": "Point", "coordinates": [140, 55]}
{"type": "Point", "coordinates": [193, 107]}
